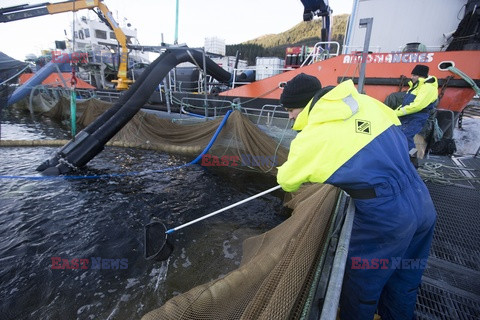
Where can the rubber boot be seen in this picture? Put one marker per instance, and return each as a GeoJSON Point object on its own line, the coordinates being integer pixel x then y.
{"type": "Point", "coordinates": [413, 157]}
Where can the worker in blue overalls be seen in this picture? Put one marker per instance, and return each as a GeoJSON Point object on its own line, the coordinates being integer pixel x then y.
{"type": "Point", "coordinates": [353, 141]}
{"type": "Point", "coordinates": [417, 103]}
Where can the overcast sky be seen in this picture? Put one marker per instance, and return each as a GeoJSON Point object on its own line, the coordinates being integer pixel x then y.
{"type": "Point", "coordinates": [233, 21]}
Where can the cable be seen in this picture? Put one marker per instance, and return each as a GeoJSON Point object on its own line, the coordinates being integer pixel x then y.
{"type": "Point", "coordinates": [262, 95]}
{"type": "Point", "coordinates": [213, 138]}
{"type": "Point", "coordinates": [15, 75]}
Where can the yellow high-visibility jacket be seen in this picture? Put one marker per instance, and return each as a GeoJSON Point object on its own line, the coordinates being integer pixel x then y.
{"type": "Point", "coordinates": [420, 95]}
{"type": "Point", "coordinates": [338, 140]}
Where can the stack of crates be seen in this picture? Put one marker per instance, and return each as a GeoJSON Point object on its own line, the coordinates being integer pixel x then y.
{"type": "Point", "coordinates": [228, 63]}
{"type": "Point", "coordinates": [215, 45]}
{"type": "Point", "coordinates": [267, 67]}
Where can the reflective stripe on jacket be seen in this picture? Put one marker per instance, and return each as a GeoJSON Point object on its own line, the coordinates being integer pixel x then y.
{"type": "Point", "coordinates": [423, 94]}
{"type": "Point", "coordinates": [335, 130]}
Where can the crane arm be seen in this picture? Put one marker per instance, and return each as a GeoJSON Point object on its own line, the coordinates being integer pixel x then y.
{"type": "Point", "coordinates": [26, 11]}
{"type": "Point", "coordinates": [29, 11]}
{"type": "Point", "coordinates": [122, 82]}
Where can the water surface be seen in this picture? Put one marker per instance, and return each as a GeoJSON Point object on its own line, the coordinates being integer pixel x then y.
{"type": "Point", "coordinates": [104, 219]}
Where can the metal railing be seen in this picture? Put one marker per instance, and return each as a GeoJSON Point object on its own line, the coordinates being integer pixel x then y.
{"type": "Point", "coordinates": [108, 95]}
{"type": "Point", "coordinates": [240, 70]}
{"type": "Point", "coordinates": [334, 289]}
{"type": "Point", "coordinates": [321, 51]}
{"type": "Point", "coordinates": [271, 111]}
{"type": "Point", "coordinates": [208, 105]}
{"type": "Point", "coordinates": [424, 48]}
{"type": "Point", "coordinates": [356, 49]}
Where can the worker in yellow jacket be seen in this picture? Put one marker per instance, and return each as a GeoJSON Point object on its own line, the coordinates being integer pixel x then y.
{"type": "Point", "coordinates": [353, 141]}
{"type": "Point", "coordinates": [420, 99]}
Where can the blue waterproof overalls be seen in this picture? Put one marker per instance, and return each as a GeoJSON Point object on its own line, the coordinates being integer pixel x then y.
{"type": "Point", "coordinates": [352, 141]}
{"type": "Point", "coordinates": [417, 103]}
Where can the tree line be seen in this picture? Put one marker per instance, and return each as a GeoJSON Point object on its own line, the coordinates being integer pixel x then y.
{"type": "Point", "coordinates": [275, 45]}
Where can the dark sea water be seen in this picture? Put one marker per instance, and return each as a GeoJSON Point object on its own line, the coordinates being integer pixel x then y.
{"type": "Point", "coordinates": [104, 219]}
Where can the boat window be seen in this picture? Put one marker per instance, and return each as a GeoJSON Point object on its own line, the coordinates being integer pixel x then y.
{"type": "Point", "coordinates": [75, 34]}
{"type": "Point", "coordinates": [112, 35]}
{"type": "Point", "coordinates": [87, 33]}
{"type": "Point", "coordinates": [100, 34]}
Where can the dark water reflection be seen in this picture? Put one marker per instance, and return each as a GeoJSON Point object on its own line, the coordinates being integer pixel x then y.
{"type": "Point", "coordinates": [104, 218]}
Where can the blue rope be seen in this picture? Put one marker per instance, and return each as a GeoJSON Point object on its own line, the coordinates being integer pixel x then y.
{"type": "Point", "coordinates": [114, 175]}
{"type": "Point", "coordinates": [213, 138]}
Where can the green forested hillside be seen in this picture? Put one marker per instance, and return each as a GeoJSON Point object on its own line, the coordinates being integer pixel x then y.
{"type": "Point", "coordinates": [274, 45]}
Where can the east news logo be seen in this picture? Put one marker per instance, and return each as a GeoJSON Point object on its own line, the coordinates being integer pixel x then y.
{"type": "Point", "coordinates": [95, 263]}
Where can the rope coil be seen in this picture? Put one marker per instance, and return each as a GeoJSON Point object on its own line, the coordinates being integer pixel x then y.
{"type": "Point", "coordinates": [431, 171]}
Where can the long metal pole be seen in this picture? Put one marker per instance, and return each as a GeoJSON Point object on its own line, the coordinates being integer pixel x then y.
{"type": "Point", "coordinates": [205, 104]}
{"type": "Point", "coordinates": [334, 289]}
{"type": "Point", "coordinates": [364, 23]}
{"type": "Point", "coordinates": [175, 41]}
{"type": "Point", "coordinates": [223, 209]}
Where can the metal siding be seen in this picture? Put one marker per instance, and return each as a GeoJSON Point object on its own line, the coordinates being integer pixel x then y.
{"type": "Point", "coordinates": [396, 23]}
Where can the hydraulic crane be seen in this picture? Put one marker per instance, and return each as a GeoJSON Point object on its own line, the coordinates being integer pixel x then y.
{"type": "Point", "coordinates": [29, 11]}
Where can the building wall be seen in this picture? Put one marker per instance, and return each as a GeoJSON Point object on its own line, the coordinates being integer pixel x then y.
{"type": "Point", "coordinates": [396, 23]}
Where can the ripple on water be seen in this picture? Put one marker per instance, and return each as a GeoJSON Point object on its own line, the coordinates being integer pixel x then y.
{"type": "Point", "coordinates": [105, 218]}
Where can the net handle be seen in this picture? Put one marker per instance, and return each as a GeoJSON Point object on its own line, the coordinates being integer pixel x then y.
{"type": "Point", "coordinates": [223, 209]}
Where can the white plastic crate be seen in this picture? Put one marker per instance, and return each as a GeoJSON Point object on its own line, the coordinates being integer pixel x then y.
{"type": "Point", "coordinates": [267, 67]}
{"type": "Point", "coordinates": [228, 63]}
{"type": "Point", "coordinates": [215, 45]}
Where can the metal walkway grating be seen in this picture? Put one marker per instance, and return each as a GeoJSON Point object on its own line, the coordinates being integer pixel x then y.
{"type": "Point", "coordinates": [472, 163]}
{"type": "Point", "coordinates": [451, 283]}
{"type": "Point", "coordinates": [459, 279]}
{"type": "Point", "coordinates": [434, 302]}
{"type": "Point", "coordinates": [457, 235]}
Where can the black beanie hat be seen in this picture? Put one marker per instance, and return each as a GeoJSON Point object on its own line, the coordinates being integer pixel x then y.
{"type": "Point", "coordinates": [299, 90]}
{"type": "Point", "coordinates": [420, 70]}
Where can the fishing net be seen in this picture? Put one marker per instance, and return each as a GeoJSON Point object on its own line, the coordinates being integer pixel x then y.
{"type": "Point", "coordinates": [276, 271]}
{"type": "Point", "coordinates": [278, 266]}
{"type": "Point", "coordinates": [240, 144]}
{"type": "Point", "coordinates": [41, 101]}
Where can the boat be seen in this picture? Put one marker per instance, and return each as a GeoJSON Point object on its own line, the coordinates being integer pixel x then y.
{"type": "Point", "coordinates": [443, 44]}
{"type": "Point", "coordinates": [97, 48]}
{"type": "Point", "coordinates": [98, 42]}
{"type": "Point", "coordinates": [446, 290]}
